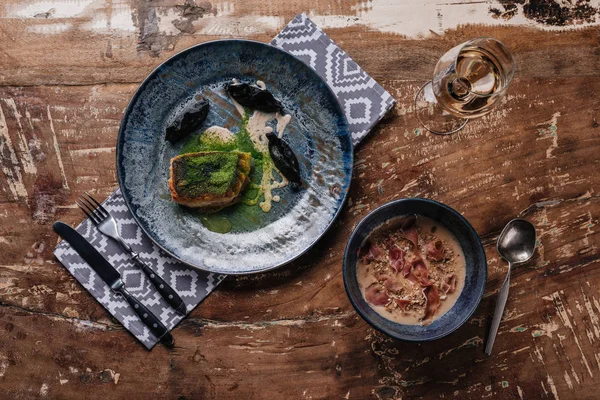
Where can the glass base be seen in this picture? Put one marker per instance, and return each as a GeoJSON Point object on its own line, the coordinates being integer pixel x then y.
{"type": "Point", "coordinates": [432, 116]}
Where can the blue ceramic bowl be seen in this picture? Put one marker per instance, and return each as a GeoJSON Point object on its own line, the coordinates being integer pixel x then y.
{"type": "Point", "coordinates": [476, 274]}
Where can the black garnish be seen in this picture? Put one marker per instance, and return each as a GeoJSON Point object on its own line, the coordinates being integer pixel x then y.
{"type": "Point", "coordinates": [284, 158]}
{"type": "Point", "coordinates": [188, 122]}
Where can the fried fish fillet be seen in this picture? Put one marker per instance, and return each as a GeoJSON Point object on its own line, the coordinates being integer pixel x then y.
{"type": "Point", "coordinates": [211, 180]}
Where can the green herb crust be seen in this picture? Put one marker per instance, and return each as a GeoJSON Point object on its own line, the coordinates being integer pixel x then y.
{"type": "Point", "coordinates": [207, 173]}
{"type": "Point", "coordinates": [209, 181]}
{"type": "Point", "coordinates": [242, 142]}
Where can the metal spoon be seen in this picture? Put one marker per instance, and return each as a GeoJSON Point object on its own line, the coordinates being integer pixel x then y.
{"type": "Point", "coordinates": [516, 244]}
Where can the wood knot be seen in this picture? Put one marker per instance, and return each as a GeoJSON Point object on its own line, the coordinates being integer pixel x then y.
{"type": "Point", "coordinates": [338, 369]}
{"type": "Point", "coordinates": [86, 378]}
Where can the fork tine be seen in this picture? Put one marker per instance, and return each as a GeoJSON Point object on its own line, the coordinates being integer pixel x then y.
{"type": "Point", "coordinates": [87, 213]}
{"type": "Point", "coordinates": [100, 206]}
{"type": "Point", "coordinates": [94, 211]}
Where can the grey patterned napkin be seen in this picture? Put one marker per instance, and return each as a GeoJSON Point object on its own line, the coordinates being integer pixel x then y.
{"type": "Point", "coordinates": [364, 102]}
{"type": "Point", "coordinates": [191, 284]}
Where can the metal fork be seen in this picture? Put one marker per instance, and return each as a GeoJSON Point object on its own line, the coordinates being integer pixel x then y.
{"type": "Point", "coordinates": [106, 224]}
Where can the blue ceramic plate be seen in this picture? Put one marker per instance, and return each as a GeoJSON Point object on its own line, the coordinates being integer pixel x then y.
{"type": "Point", "coordinates": [476, 274]}
{"type": "Point", "coordinates": [317, 132]}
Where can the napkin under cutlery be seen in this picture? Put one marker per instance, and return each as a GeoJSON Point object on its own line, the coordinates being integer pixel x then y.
{"type": "Point", "coordinates": [364, 103]}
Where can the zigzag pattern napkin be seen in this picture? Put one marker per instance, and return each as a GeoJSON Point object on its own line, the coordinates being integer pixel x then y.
{"type": "Point", "coordinates": [363, 100]}
{"type": "Point", "coordinates": [191, 284]}
{"type": "Point", "coordinates": [364, 103]}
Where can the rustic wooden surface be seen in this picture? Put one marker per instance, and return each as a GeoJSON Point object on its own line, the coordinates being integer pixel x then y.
{"type": "Point", "coordinates": [68, 69]}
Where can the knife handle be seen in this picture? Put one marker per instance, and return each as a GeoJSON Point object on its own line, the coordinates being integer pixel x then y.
{"type": "Point", "coordinates": [161, 286]}
{"type": "Point", "coordinates": [149, 319]}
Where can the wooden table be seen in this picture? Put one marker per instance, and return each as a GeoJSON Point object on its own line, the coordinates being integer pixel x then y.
{"type": "Point", "coordinates": [67, 72]}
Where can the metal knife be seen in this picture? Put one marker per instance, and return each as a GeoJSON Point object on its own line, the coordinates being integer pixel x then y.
{"type": "Point", "coordinates": [112, 278]}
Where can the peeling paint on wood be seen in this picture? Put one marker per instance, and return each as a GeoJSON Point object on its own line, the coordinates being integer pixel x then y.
{"type": "Point", "coordinates": [533, 157]}
{"type": "Point", "coordinates": [435, 17]}
{"type": "Point", "coordinates": [11, 167]}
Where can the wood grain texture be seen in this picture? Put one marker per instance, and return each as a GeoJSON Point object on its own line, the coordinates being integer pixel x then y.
{"type": "Point", "coordinates": [292, 333]}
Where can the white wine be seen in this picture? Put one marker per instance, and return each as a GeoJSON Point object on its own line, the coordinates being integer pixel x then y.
{"type": "Point", "coordinates": [477, 83]}
{"type": "Point", "coordinates": [468, 81]}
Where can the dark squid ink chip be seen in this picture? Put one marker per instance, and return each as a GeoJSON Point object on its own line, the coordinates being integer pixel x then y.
{"type": "Point", "coordinates": [254, 97]}
{"type": "Point", "coordinates": [188, 122]}
{"type": "Point", "coordinates": [284, 159]}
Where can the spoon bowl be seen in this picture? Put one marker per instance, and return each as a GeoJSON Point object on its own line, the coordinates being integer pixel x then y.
{"type": "Point", "coordinates": [516, 243]}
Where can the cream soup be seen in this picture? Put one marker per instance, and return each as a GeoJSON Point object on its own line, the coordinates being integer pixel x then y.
{"type": "Point", "coordinates": [411, 270]}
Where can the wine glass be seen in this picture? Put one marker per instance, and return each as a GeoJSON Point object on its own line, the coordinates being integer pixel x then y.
{"type": "Point", "coordinates": [467, 82]}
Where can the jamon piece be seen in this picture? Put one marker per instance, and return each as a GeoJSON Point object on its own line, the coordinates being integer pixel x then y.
{"type": "Point", "coordinates": [419, 273]}
{"type": "Point", "coordinates": [402, 303]}
{"type": "Point", "coordinates": [408, 222]}
{"type": "Point", "coordinates": [376, 295]}
{"type": "Point", "coordinates": [397, 258]}
{"type": "Point", "coordinates": [432, 302]}
{"type": "Point", "coordinates": [407, 268]}
{"type": "Point", "coordinates": [434, 250]}
{"type": "Point", "coordinates": [449, 284]}
{"type": "Point", "coordinates": [390, 283]}
{"type": "Point", "coordinates": [409, 231]}
{"type": "Point", "coordinates": [374, 252]}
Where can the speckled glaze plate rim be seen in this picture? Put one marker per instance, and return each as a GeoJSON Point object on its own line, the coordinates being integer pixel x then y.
{"type": "Point", "coordinates": [343, 129]}
{"type": "Point", "coordinates": [384, 329]}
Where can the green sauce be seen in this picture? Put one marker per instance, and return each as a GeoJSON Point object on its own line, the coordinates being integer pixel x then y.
{"type": "Point", "coordinates": [216, 223]}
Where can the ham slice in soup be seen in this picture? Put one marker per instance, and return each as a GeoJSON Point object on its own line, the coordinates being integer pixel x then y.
{"type": "Point", "coordinates": [374, 252]}
{"type": "Point", "coordinates": [376, 295]}
{"type": "Point", "coordinates": [402, 303]}
{"type": "Point", "coordinates": [409, 231]}
{"type": "Point", "coordinates": [397, 258]}
{"type": "Point", "coordinates": [412, 235]}
{"type": "Point", "coordinates": [449, 284]}
{"type": "Point", "coordinates": [406, 270]}
{"type": "Point", "coordinates": [432, 302]}
{"type": "Point", "coordinates": [419, 273]}
{"type": "Point", "coordinates": [390, 283]}
{"type": "Point", "coordinates": [434, 250]}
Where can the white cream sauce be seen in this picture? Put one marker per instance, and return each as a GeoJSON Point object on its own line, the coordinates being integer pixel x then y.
{"type": "Point", "coordinates": [258, 128]}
